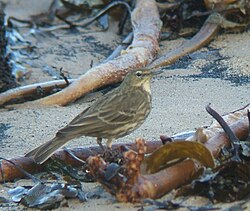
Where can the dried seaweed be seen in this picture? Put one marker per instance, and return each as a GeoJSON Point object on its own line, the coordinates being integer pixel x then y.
{"type": "Point", "coordinates": [7, 80]}
{"type": "Point", "coordinates": [44, 196]}
{"type": "Point", "coordinates": [177, 150]}
{"type": "Point", "coordinates": [228, 182]}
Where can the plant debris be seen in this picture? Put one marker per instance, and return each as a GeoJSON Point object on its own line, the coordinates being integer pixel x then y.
{"type": "Point", "coordinates": [144, 173]}
{"type": "Point", "coordinates": [226, 183]}
{"type": "Point", "coordinates": [230, 180]}
{"type": "Point", "coordinates": [177, 150]}
{"type": "Point", "coordinates": [214, 163]}
{"type": "Point", "coordinates": [43, 196]}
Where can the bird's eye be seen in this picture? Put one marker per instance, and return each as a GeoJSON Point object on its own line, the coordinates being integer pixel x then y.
{"type": "Point", "coordinates": [138, 74]}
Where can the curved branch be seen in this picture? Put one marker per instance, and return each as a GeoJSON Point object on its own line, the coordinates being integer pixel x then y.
{"type": "Point", "coordinates": [146, 31]}
{"type": "Point", "coordinates": [113, 71]}
{"type": "Point", "coordinates": [207, 32]}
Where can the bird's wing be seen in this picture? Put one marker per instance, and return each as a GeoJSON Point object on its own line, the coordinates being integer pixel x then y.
{"type": "Point", "coordinates": [124, 107]}
{"type": "Point", "coordinates": [115, 109]}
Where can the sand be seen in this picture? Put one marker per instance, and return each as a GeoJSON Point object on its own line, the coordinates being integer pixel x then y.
{"type": "Point", "coordinates": [218, 74]}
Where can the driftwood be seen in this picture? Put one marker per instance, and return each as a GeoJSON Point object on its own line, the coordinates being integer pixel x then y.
{"type": "Point", "coordinates": [202, 38]}
{"type": "Point", "coordinates": [146, 31]}
{"type": "Point", "coordinates": [8, 172]}
{"type": "Point", "coordinates": [31, 90]}
{"type": "Point", "coordinates": [207, 32]}
{"type": "Point", "coordinates": [48, 87]}
{"type": "Point", "coordinates": [131, 185]}
{"type": "Point", "coordinates": [216, 139]}
{"type": "Point", "coordinates": [141, 52]}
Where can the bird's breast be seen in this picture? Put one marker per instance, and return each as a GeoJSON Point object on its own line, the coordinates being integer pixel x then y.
{"type": "Point", "coordinates": [147, 87]}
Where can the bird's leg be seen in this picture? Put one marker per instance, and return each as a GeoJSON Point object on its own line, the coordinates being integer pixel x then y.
{"type": "Point", "coordinates": [107, 148]}
{"type": "Point", "coordinates": [99, 141]}
{"type": "Point", "coordinates": [112, 155]}
{"type": "Point", "coordinates": [109, 143]}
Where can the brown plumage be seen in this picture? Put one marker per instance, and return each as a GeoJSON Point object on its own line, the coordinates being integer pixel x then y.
{"type": "Point", "coordinates": [114, 115]}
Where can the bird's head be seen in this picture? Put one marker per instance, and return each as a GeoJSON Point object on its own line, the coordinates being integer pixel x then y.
{"type": "Point", "coordinates": [140, 78]}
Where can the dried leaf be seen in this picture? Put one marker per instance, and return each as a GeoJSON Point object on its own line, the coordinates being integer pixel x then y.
{"type": "Point", "coordinates": [178, 150]}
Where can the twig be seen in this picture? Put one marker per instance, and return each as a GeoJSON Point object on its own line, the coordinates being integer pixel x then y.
{"type": "Point", "coordinates": [239, 109]}
{"type": "Point", "coordinates": [63, 76]}
{"type": "Point", "coordinates": [233, 139]}
{"type": "Point", "coordinates": [223, 124]}
{"type": "Point", "coordinates": [82, 23]}
{"type": "Point", "coordinates": [87, 21]}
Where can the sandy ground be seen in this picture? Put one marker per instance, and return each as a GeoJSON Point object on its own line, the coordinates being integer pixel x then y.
{"type": "Point", "coordinates": [218, 74]}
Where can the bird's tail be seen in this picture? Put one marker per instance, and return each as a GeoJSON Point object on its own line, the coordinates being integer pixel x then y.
{"type": "Point", "coordinates": [43, 152]}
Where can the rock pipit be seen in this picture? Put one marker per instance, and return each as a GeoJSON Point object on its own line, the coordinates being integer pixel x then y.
{"type": "Point", "coordinates": [114, 115]}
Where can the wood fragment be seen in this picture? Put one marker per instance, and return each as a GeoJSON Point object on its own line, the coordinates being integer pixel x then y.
{"type": "Point", "coordinates": [8, 172]}
{"type": "Point", "coordinates": [241, 130]}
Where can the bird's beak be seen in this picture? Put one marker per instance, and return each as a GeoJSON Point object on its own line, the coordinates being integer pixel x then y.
{"type": "Point", "coordinates": [156, 72]}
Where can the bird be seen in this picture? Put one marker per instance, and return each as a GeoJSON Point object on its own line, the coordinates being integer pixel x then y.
{"type": "Point", "coordinates": [114, 115]}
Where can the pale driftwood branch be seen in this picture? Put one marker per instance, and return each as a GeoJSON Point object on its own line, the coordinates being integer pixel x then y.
{"type": "Point", "coordinates": [139, 54]}
{"type": "Point", "coordinates": [22, 92]}
{"type": "Point", "coordinates": [31, 90]}
{"type": "Point", "coordinates": [120, 66]}
{"type": "Point", "coordinates": [207, 32]}
{"type": "Point", "coordinates": [146, 31]}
